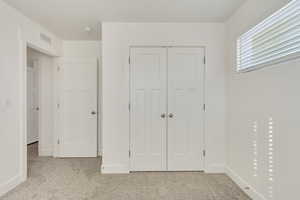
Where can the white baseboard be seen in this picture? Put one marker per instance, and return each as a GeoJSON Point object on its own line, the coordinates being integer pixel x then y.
{"type": "Point", "coordinates": [121, 169]}
{"type": "Point", "coordinates": [114, 169]}
{"type": "Point", "coordinates": [246, 187]}
{"type": "Point", "coordinates": [10, 184]}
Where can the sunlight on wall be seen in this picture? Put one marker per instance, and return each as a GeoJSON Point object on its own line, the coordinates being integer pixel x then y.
{"type": "Point", "coordinates": [263, 156]}
{"type": "Point", "coordinates": [255, 149]}
{"type": "Point", "coordinates": [270, 158]}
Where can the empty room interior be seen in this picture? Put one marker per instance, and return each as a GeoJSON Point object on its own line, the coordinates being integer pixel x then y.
{"type": "Point", "coordinates": [149, 100]}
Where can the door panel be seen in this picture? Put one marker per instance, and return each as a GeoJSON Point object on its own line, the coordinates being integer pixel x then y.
{"type": "Point", "coordinates": [185, 103]}
{"type": "Point", "coordinates": [148, 103]}
{"type": "Point", "coordinates": [78, 108]}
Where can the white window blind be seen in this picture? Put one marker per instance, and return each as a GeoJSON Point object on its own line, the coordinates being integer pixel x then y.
{"type": "Point", "coordinates": [275, 39]}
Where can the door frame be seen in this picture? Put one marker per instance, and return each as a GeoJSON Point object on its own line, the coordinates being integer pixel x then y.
{"type": "Point", "coordinates": [130, 95]}
{"type": "Point", "coordinates": [23, 45]}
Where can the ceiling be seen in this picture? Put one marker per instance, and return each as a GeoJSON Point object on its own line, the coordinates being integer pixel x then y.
{"type": "Point", "coordinates": [68, 18]}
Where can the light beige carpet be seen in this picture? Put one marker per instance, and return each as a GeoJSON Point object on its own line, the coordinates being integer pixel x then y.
{"type": "Point", "coordinates": [80, 179]}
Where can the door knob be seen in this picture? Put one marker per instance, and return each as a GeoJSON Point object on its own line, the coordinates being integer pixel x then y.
{"type": "Point", "coordinates": [93, 112]}
{"type": "Point", "coordinates": [171, 115]}
{"type": "Point", "coordinates": [163, 115]}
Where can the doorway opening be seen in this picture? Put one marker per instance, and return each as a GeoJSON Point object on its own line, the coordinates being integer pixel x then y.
{"type": "Point", "coordinates": [61, 109]}
{"type": "Point", "coordinates": [39, 109]}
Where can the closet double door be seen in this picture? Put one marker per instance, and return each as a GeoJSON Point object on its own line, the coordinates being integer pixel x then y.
{"type": "Point", "coordinates": [167, 116]}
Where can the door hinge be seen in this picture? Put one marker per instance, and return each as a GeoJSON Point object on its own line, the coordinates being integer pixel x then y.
{"type": "Point", "coordinates": [58, 142]}
{"type": "Point", "coordinates": [58, 68]}
{"type": "Point", "coordinates": [204, 107]}
{"type": "Point", "coordinates": [129, 153]}
{"type": "Point", "coordinates": [58, 106]}
{"type": "Point", "coordinates": [129, 60]}
{"type": "Point", "coordinates": [204, 153]}
{"type": "Point", "coordinates": [129, 107]}
{"type": "Point", "coordinates": [204, 60]}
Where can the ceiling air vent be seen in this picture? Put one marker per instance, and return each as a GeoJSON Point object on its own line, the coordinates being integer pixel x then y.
{"type": "Point", "coordinates": [45, 38]}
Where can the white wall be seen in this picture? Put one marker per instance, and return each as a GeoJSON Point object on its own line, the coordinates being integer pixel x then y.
{"type": "Point", "coordinates": [87, 49]}
{"type": "Point", "coordinates": [117, 37]}
{"type": "Point", "coordinates": [255, 97]}
{"type": "Point", "coordinates": [10, 127]}
{"type": "Point", "coordinates": [15, 27]}
{"type": "Point", "coordinates": [81, 48]}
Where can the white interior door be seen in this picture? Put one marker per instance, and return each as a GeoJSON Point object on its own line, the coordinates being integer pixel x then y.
{"type": "Point", "coordinates": [78, 108]}
{"type": "Point", "coordinates": [148, 109]}
{"type": "Point", "coordinates": [32, 105]}
{"type": "Point", "coordinates": [185, 109]}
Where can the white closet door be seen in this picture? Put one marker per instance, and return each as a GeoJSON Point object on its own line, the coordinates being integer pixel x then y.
{"type": "Point", "coordinates": [148, 106]}
{"type": "Point", "coordinates": [78, 108]}
{"type": "Point", "coordinates": [185, 109]}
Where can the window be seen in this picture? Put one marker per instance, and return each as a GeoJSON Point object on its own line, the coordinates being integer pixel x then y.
{"type": "Point", "coordinates": [276, 39]}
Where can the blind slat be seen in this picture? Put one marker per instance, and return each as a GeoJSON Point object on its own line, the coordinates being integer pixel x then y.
{"type": "Point", "coordinates": [271, 41]}
{"type": "Point", "coordinates": [270, 55]}
{"type": "Point", "coordinates": [293, 25]}
{"type": "Point", "coordinates": [275, 38]}
{"type": "Point", "coordinates": [288, 19]}
{"type": "Point", "coordinates": [271, 46]}
{"type": "Point", "coordinates": [253, 65]}
{"type": "Point", "coordinates": [293, 5]}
